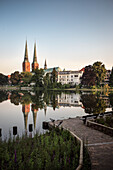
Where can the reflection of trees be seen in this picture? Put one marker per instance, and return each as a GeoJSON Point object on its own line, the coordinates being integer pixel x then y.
{"type": "Point", "coordinates": [111, 99]}
{"type": "Point", "coordinates": [37, 99]}
{"type": "Point", "coordinates": [15, 98]}
{"type": "Point", "coordinates": [93, 103]}
{"type": "Point", "coordinates": [26, 98]}
{"type": "Point", "coordinates": [3, 96]}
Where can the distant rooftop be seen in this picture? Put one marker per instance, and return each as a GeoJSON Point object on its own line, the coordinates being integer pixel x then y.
{"type": "Point", "coordinates": [49, 70]}
{"type": "Point", "coordinates": [69, 72]}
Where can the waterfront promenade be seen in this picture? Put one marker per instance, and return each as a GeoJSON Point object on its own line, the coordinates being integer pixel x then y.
{"type": "Point", "coordinates": [100, 145]}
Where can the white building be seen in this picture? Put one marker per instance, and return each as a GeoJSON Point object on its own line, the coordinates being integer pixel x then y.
{"type": "Point", "coordinates": [69, 77]}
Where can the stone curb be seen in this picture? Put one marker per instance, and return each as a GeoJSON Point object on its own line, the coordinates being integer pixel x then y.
{"type": "Point", "coordinates": [102, 128]}
{"type": "Point", "coordinates": [81, 145]}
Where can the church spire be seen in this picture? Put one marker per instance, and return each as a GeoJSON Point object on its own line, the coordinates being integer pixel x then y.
{"type": "Point", "coordinates": [26, 53]}
{"type": "Point", "coordinates": [35, 65]}
{"type": "Point", "coordinates": [45, 65]}
{"type": "Point", "coordinates": [26, 64]}
{"type": "Point", "coordinates": [35, 57]}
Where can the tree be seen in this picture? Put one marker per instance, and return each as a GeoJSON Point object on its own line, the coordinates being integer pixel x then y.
{"type": "Point", "coordinates": [89, 76]}
{"type": "Point", "coordinates": [26, 77]}
{"type": "Point", "coordinates": [47, 81]}
{"type": "Point", "coordinates": [54, 75]}
{"type": "Point", "coordinates": [100, 72]}
{"type": "Point", "coordinates": [111, 78]}
{"type": "Point", "coordinates": [38, 77]}
{"type": "Point", "coordinates": [3, 79]}
{"type": "Point", "coordinates": [15, 78]}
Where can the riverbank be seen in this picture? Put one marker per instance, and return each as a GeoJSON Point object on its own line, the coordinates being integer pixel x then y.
{"type": "Point", "coordinates": [100, 145]}
{"type": "Point", "coordinates": [57, 149]}
{"type": "Point", "coordinates": [55, 89]}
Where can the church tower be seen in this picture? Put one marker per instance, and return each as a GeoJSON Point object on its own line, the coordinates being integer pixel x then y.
{"type": "Point", "coordinates": [45, 65]}
{"type": "Point", "coordinates": [26, 63]}
{"type": "Point", "coordinates": [35, 65]}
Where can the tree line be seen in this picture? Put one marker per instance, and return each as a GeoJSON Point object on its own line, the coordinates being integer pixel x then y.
{"type": "Point", "coordinates": [94, 75]}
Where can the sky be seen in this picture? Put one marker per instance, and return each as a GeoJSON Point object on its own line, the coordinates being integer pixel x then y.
{"type": "Point", "coordinates": [70, 34]}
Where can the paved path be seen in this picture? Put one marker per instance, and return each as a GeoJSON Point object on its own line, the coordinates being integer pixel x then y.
{"type": "Point", "coordinates": [100, 145]}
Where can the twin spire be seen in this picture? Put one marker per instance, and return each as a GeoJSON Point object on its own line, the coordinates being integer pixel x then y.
{"type": "Point", "coordinates": [26, 63]}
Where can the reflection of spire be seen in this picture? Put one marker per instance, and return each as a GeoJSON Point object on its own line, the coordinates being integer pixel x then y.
{"type": "Point", "coordinates": [26, 110]}
{"type": "Point", "coordinates": [34, 114]}
{"type": "Point", "coordinates": [45, 108]}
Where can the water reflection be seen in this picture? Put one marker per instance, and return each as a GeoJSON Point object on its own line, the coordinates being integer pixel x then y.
{"type": "Point", "coordinates": [26, 112]}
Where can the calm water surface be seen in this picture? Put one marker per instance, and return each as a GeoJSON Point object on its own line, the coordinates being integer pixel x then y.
{"type": "Point", "coordinates": [24, 112]}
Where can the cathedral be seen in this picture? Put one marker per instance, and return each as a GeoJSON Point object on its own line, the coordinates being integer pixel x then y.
{"type": "Point", "coordinates": [35, 65]}
{"type": "Point", "coordinates": [26, 63]}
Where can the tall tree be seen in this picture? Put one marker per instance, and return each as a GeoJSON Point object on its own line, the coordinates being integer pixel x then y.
{"type": "Point", "coordinates": [100, 72]}
{"type": "Point", "coordinates": [54, 75]}
{"type": "Point", "coordinates": [111, 78]}
{"type": "Point", "coordinates": [38, 77]}
{"type": "Point", "coordinates": [89, 76]}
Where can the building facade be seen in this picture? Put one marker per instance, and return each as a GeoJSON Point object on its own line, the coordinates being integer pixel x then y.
{"type": "Point", "coordinates": [70, 77]}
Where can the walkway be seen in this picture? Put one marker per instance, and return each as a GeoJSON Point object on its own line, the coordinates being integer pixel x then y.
{"type": "Point", "coordinates": [100, 145]}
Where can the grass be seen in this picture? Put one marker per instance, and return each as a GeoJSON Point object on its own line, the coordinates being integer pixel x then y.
{"type": "Point", "coordinates": [56, 149]}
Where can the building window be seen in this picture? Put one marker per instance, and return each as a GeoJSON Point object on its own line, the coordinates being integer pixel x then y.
{"type": "Point", "coordinates": [71, 75]}
{"type": "Point", "coordinates": [67, 80]}
{"type": "Point", "coordinates": [71, 79]}
{"type": "Point", "coordinates": [76, 76]}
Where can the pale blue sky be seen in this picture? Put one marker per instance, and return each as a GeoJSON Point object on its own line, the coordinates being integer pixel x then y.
{"type": "Point", "coordinates": [69, 33]}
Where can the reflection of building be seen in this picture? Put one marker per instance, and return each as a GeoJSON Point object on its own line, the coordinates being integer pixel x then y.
{"type": "Point", "coordinates": [69, 77]}
{"type": "Point", "coordinates": [26, 110]}
{"type": "Point", "coordinates": [34, 110]}
{"type": "Point", "coordinates": [107, 76]}
{"type": "Point", "coordinates": [45, 108]}
{"type": "Point", "coordinates": [69, 100]}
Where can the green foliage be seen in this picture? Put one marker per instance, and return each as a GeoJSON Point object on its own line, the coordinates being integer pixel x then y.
{"type": "Point", "coordinates": [111, 78]}
{"type": "Point", "coordinates": [100, 72]}
{"type": "Point", "coordinates": [3, 79]}
{"type": "Point", "coordinates": [107, 121]}
{"type": "Point", "coordinates": [15, 78]}
{"type": "Point", "coordinates": [54, 75]}
{"type": "Point", "coordinates": [54, 150]}
{"type": "Point", "coordinates": [26, 77]}
{"type": "Point", "coordinates": [88, 77]}
{"type": "Point", "coordinates": [38, 77]}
